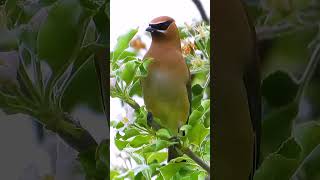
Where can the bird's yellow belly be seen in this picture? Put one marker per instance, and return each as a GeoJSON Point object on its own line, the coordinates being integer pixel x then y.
{"type": "Point", "coordinates": [167, 100]}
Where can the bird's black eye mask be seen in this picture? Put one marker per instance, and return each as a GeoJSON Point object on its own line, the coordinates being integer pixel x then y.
{"type": "Point", "coordinates": [161, 26]}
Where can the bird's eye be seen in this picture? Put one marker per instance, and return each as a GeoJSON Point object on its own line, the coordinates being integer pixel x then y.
{"type": "Point", "coordinates": [161, 26]}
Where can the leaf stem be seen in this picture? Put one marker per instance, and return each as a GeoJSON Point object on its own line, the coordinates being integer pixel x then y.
{"type": "Point", "coordinates": [310, 70]}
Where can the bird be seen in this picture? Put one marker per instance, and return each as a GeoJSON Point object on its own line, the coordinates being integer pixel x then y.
{"type": "Point", "coordinates": [236, 93]}
{"type": "Point", "coordinates": [167, 87]}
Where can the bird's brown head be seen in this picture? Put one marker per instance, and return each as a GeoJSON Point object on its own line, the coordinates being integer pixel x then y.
{"type": "Point", "coordinates": [163, 28]}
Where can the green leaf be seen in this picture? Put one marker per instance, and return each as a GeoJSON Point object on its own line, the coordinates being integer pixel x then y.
{"type": "Point", "coordinates": [196, 101]}
{"type": "Point", "coordinates": [128, 71]}
{"type": "Point", "coordinates": [197, 89]}
{"type": "Point", "coordinates": [123, 44]}
{"type": "Point", "coordinates": [194, 117]}
{"type": "Point", "coordinates": [309, 168]}
{"type": "Point", "coordinates": [277, 127]}
{"type": "Point", "coordinates": [290, 149]}
{"type": "Point", "coordinates": [135, 89]}
{"type": "Point", "coordinates": [120, 144]}
{"type": "Point", "coordinates": [280, 165]}
{"type": "Point", "coordinates": [197, 134]}
{"type": "Point", "coordinates": [205, 104]}
{"type": "Point", "coordinates": [113, 174]}
{"type": "Point", "coordinates": [61, 34]}
{"type": "Point", "coordinates": [126, 56]}
{"type": "Point", "coordinates": [308, 136]}
{"type": "Point", "coordinates": [182, 170]}
{"type": "Point", "coordinates": [139, 140]}
{"type": "Point", "coordinates": [163, 133]}
{"type": "Point", "coordinates": [161, 144]}
{"type": "Point", "coordinates": [102, 153]}
{"type": "Point", "coordinates": [119, 125]}
{"type": "Point", "coordinates": [129, 174]}
{"type": "Point", "coordinates": [157, 156]}
{"type": "Point", "coordinates": [285, 91]}
{"type": "Point", "coordinates": [89, 164]}
{"type": "Point", "coordinates": [276, 167]}
{"type": "Point", "coordinates": [102, 22]}
{"type": "Point", "coordinates": [297, 158]}
{"type": "Point", "coordinates": [130, 132]}
{"type": "Point", "coordinates": [170, 170]}
{"type": "Point", "coordinates": [158, 145]}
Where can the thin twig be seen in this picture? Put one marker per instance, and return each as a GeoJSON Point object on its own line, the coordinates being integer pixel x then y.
{"type": "Point", "coordinates": [195, 158]}
{"type": "Point", "coordinates": [267, 32]}
{"type": "Point", "coordinates": [310, 70]}
{"type": "Point", "coordinates": [201, 10]}
{"type": "Point", "coordinates": [132, 103]}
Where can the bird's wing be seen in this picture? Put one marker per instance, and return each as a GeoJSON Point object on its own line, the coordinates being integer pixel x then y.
{"type": "Point", "coordinates": [189, 93]}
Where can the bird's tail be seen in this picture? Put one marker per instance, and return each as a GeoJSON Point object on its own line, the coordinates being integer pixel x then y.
{"type": "Point", "coordinates": [172, 152]}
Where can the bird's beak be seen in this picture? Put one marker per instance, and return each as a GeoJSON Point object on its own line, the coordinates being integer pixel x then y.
{"type": "Point", "coordinates": [151, 29]}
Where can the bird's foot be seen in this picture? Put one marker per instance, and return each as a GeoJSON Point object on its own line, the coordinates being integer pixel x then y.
{"type": "Point", "coordinates": [151, 122]}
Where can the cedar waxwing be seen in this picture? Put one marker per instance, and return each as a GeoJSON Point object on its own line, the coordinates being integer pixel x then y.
{"type": "Point", "coordinates": [236, 93]}
{"type": "Point", "coordinates": [166, 89]}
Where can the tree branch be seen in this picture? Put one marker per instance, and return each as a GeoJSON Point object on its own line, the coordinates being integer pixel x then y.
{"type": "Point", "coordinates": [201, 10]}
{"type": "Point", "coordinates": [270, 32]}
{"type": "Point", "coordinates": [195, 158]}
{"type": "Point", "coordinates": [68, 129]}
{"type": "Point", "coordinates": [132, 103]}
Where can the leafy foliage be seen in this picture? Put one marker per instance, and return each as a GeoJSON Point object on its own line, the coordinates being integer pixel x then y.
{"type": "Point", "coordinates": [290, 143]}
{"type": "Point", "coordinates": [46, 45]}
{"type": "Point", "coordinates": [145, 145]}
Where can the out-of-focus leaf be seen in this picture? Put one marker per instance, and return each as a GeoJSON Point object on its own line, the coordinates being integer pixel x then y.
{"type": "Point", "coordinates": [277, 127]}
{"type": "Point", "coordinates": [290, 149]}
{"type": "Point", "coordinates": [280, 165]}
{"type": "Point", "coordinates": [88, 162]}
{"type": "Point", "coordinates": [285, 91]}
{"type": "Point", "coordinates": [102, 22]}
{"type": "Point", "coordinates": [61, 34]}
{"type": "Point", "coordinates": [276, 167]}
{"type": "Point", "coordinates": [308, 136]}
{"type": "Point", "coordinates": [309, 167]}
{"type": "Point", "coordinates": [8, 40]}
